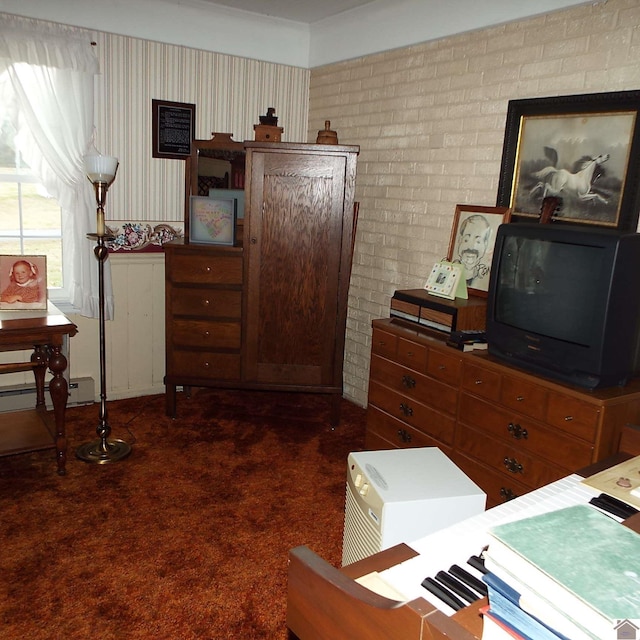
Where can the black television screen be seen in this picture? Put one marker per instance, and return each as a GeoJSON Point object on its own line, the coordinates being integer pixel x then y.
{"type": "Point", "coordinates": [563, 302]}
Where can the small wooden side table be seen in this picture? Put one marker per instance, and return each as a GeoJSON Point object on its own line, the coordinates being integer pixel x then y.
{"type": "Point", "coordinates": [42, 331]}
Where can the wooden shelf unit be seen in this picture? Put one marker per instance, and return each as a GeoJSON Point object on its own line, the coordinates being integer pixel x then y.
{"type": "Point", "coordinates": [269, 313]}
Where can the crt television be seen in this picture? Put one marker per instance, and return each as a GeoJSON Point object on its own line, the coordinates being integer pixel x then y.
{"type": "Point", "coordinates": [564, 302]}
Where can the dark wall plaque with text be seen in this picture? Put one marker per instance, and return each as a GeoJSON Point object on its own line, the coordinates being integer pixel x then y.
{"type": "Point", "coordinates": [173, 129]}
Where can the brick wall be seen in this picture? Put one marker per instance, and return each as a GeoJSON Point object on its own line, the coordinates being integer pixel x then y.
{"type": "Point", "coordinates": [430, 119]}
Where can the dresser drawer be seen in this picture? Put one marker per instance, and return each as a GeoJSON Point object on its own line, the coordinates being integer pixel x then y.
{"type": "Point", "coordinates": [498, 488]}
{"type": "Point", "coordinates": [574, 416]}
{"type": "Point", "coordinates": [384, 343]}
{"type": "Point", "coordinates": [206, 334]}
{"type": "Point", "coordinates": [480, 381]}
{"type": "Point", "coordinates": [396, 432]}
{"type": "Point", "coordinates": [412, 355]}
{"type": "Point", "coordinates": [524, 434]}
{"type": "Point", "coordinates": [206, 303]}
{"type": "Point", "coordinates": [413, 385]}
{"type": "Point", "coordinates": [202, 364]}
{"type": "Point", "coordinates": [524, 396]}
{"type": "Point", "coordinates": [414, 413]}
{"type": "Point", "coordinates": [444, 366]}
{"type": "Point", "coordinates": [206, 269]}
{"type": "Point", "coordinates": [507, 460]}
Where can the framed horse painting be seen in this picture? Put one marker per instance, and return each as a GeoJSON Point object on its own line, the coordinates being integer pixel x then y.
{"type": "Point", "coordinates": [582, 149]}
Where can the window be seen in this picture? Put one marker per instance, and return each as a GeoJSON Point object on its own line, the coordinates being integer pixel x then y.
{"type": "Point", "coordinates": [30, 219]}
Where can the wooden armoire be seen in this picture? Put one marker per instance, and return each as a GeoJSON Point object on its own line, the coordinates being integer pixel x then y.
{"type": "Point", "coordinates": [269, 312]}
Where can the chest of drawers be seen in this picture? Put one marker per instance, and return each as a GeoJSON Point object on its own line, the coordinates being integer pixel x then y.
{"type": "Point", "coordinates": [510, 431]}
{"type": "Point", "coordinates": [203, 316]}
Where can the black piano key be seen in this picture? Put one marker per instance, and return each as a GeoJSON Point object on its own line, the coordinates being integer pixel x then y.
{"type": "Point", "coordinates": [457, 587]}
{"type": "Point", "coordinates": [444, 594]}
{"type": "Point", "coordinates": [477, 563]}
{"type": "Point", "coordinates": [470, 580]}
{"type": "Point", "coordinates": [614, 506]}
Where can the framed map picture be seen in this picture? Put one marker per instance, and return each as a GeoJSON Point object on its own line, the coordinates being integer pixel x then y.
{"type": "Point", "coordinates": [212, 220]}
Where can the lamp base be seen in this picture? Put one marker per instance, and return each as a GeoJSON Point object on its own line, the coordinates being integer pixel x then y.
{"type": "Point", "coordinates": [102, 452]}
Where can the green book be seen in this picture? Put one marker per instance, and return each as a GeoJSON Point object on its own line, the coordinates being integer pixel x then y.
{"type": "Point", "coordinates": [576, 561]}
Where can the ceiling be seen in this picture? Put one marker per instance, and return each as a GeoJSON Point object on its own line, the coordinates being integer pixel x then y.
{"type": "Point", "coordinates": [306, 11]}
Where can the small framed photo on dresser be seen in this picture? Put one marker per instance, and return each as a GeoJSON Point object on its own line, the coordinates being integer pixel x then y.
{"type": "Point", "coordinates": [23, 282]}
{"type": "Point", "coordinates": [213, 220]}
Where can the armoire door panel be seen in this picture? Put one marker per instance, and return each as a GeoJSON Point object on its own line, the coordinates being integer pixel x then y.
{"type": "Point", "coordinates": [294, 261]}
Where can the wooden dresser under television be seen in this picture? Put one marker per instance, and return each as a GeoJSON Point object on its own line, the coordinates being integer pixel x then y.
{"type": "Point", "coordinates": [510, 431]}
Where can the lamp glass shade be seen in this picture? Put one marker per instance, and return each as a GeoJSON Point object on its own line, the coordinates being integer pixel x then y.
{"type": "Point", "coordinates": [100, 168]}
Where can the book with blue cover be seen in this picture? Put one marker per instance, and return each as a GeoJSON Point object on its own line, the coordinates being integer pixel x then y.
{"type": "Point", "coordinates": [504, 604]}
{"type": "Point", "coordinates": [576, 561]}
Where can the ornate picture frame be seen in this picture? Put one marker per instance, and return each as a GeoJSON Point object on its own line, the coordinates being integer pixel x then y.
{"type": "Point", "coordinates": [23, 282]}
{"type": "Point", "coordinates": [584, 149]}
{"type": "Point", "coordinates": [473, 237]}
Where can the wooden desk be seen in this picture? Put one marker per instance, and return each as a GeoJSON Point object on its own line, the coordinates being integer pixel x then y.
{"type": "Point", "coordinates": [42, 331]}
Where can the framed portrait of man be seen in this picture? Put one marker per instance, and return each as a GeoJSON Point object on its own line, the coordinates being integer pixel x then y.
{"type": "Point", "coordinates": [473, 237]}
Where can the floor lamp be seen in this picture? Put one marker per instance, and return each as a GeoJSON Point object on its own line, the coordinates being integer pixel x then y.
{"type": "Point", "coordinates": [101, 171]}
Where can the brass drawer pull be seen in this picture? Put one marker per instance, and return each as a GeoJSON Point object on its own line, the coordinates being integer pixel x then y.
{"type": "Point", "coordinates": [478, 382]}
{"type": "Point", "coordinates": [205, 302]}
{"type": "Point", "coordinates": [568, 418]}
{"type": "Point", "coordinates": [517, 431]}
{"type": "Point", "coordinates": [404, 435]}
{"type": "Point", "coordinates": [406, 409]}
{"type": "Point", "coordinates": [408, 382]}
{"type": "Point", "coordinates": [513, 465]}
{"type": "Point", "coordinates": [507, 494]}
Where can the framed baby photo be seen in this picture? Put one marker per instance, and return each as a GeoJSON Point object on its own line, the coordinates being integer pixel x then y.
{"type": "Point", "coordinates": [23, 282]}
{"type": "Point", "coordinates": [473, 238]}
{"type": "Point", "coordinates": [212, 220]}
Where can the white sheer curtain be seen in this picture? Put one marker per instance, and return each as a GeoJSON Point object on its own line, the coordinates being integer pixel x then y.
{"type": "Point", "coordinates": [52, 69]}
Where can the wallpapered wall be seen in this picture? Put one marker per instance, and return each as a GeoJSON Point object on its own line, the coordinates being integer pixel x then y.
{"type": "Point", "coordinates": [230, 94]}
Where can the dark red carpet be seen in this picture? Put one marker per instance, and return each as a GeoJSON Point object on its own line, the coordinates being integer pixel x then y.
{"type": "Point", "coordinates": [188, 538]}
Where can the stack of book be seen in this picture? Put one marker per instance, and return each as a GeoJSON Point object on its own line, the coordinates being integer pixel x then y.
{"type": "Point", "coordinates": [571, 574]}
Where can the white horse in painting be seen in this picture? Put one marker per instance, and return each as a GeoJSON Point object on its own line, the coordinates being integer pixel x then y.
{"type": "Point", "coordinates": [555, 181]}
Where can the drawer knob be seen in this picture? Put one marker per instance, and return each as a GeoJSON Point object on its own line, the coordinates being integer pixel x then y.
{"type": "Point", "coordinates": [404, 435]}
{"type": "Point", "coordinates": [478, 382]}
{"type": "Point", "coordinates": [207, 269]}
{"type": "Point", "coordinates": [206, 302]}
{"type": "Point", "coordinates": [408, 382]}
{"type": "Point", "coordinates": [507, 494]}
{"type": "Point", "coordinates": [441, 367]}
{"type": "Point", "coordinates": [517, 431]}
{"type": "Point", "coordinates": [512, 465]}
{"type": "Point", "coordinates": [206, 334]}
{"type": "Point", "coordinates": [519, 398]}
{"type": "Point", "coordinates": [206, 365]}
{"type": "Point", "coordinates": [406, 409]}
{"type": "Point", "coordinates": [568, 418]}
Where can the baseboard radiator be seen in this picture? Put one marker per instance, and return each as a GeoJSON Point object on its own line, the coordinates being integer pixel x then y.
{"type": "Point", "coordinates": [22, 397]}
